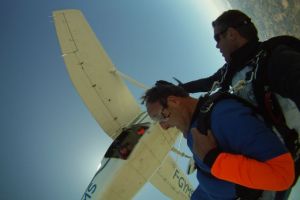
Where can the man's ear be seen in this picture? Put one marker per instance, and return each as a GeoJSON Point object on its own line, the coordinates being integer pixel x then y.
{"type": "Point", "coordinates": [236, 37]}
{"type": "Point", "coordinates": [232, 33]}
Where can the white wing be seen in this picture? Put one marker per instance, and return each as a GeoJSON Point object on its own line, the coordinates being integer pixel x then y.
{"type": "Point", "coordinates": [91, 71]}
{"type": "Point", "coordinates": [172, 181]}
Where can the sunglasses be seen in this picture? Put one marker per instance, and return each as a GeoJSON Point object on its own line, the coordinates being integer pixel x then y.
{"type": "Point", "coordinates": [238, 25]}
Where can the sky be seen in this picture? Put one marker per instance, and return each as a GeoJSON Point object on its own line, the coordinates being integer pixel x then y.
{"type": "Point", "coordinates": [50, 144]}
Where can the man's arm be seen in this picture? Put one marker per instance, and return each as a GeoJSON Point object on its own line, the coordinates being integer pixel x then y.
{"type": "Point", "coordinates": [284, 73]}
{"type": "Point", "coordinates": [204, 84]}
{"type": "Point", "coordinates": [274, 174]}
{"type": "Point", "coordinates": [249, 153]}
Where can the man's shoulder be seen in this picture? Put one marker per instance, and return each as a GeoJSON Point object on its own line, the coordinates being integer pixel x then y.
{"type": "Point", "coordinates": [284, 40]}
{"type": "Point", "coordinates": [230, 118]}
{"type": "Point", "coordinates": [230, 108]}
{"type": "Point", "coordinates": [223, 103]}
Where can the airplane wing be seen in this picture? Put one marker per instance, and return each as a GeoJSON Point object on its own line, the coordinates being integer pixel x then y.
{"type": "Point", "coordinates": [92, 73]}
{"type": "Point", "coordinates": [172, 181]}
{"type": "Point", "coordinates": [122, 176]}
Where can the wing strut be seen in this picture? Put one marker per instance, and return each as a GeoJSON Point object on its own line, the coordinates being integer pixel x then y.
{"type": "Point", "coordinates": [180, 153]}
{"type": "Point", "coordinates": [128, 78]}
{"type": "Point", "coordinates": [191, 166]}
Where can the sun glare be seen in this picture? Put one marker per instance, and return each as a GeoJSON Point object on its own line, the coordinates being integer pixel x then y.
{"type": "Point", "coordinates": [99, 166]}
{"type": "Point", "coordinates": [215, 7]}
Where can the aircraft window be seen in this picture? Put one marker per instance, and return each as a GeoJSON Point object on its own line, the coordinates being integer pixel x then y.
{"type": "Point", "coordinates": [124, 144]}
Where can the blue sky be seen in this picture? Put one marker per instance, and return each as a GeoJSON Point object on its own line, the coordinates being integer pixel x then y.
{"type": "Point", "coordinates": [50, 145]}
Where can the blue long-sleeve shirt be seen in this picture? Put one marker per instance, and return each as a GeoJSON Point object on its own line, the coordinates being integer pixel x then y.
{"type": "Point", "coordinates": [248, 149]}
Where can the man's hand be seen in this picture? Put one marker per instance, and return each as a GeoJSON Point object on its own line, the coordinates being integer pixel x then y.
{"type": "Point", "coordinates": [203, 143]}
{"type": "Point", "coordinates": [163, 82]}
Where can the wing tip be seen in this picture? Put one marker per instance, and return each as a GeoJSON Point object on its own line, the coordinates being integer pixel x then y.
{"type": "Point", "coordinates": [55, 12]}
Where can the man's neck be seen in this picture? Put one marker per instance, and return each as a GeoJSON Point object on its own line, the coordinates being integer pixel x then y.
{"type": "Point", "coordinates": [190, 108]}
{"type": "Point", "coordinates": [244, 53]}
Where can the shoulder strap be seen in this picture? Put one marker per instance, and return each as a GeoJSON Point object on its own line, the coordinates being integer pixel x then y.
{"type": "Point", "coordinates": [206, 103]}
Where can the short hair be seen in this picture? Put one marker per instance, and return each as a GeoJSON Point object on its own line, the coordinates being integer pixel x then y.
{"type": "Point", "coordinates": [239, 21]}
{"type": "Point", "coordinates": [160, 92]}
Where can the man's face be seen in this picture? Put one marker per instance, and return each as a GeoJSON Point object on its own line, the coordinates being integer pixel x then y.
{"type": "Point", "coordinates": [160, 114]}
{"type": "Point", "coordinates": [225, 41]}
{"type": "Point", "coordinates": [175, 113]}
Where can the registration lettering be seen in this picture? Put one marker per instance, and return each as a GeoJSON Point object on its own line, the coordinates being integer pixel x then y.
{"type": "Point", "coordinates": [182, 183]}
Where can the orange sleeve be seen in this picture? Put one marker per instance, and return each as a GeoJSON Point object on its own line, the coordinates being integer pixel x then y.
{"type": "Point", "coordinates": [275, 174]}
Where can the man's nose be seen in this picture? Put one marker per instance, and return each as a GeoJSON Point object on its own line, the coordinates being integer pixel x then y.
{"type": "Point", "coordinates": [164, 125]}
{"type": "Point", "coordinates": [217, 45]}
